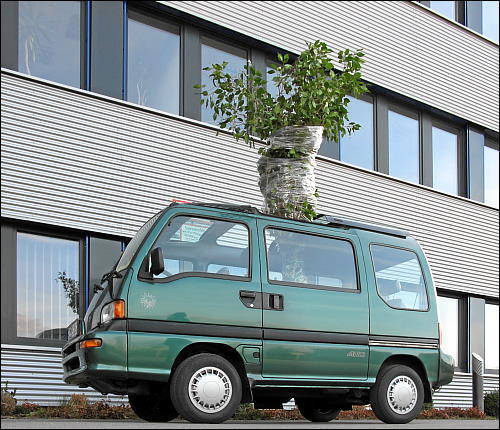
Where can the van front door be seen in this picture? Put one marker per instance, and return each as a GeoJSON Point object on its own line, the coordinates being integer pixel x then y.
{"type": "Point", "coordinates": [315, 318]}
{"type": "Point", "coordinates": [205, 294]}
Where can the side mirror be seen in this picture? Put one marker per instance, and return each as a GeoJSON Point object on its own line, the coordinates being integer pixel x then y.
{"type": "Point", "coordinates": [157, 264]}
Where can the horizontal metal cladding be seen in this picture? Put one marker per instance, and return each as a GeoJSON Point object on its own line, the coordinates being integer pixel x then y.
{"type": "Point", "coordinates": [36, 375]}
{"type": "Point", "coordinates": [409, 49]}
{"type": "Point", "coordinates": [459, 392]}
{"type": "Point", "coordinates": [73, 160]}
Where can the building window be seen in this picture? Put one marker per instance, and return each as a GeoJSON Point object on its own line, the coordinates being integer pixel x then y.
{"type": "Point", "coordinates": [214, 52]}
{"type": "Point", "coordinates": [404, 146]}
{"type": "Point", "coordinates": [49, 44]}
{"type": "Point", "coordinates": [491, 337]}
{"type": "Point", "coordinates": [491, 173]}
{"type": "Point", "coordinates": [400, 282]}
{"type": "Point", "coordinates": [48, 285]}
{"type": "Point", "coordinates": [445, 160]}
{"type": "Point", "coordinates": [358, 148]}
{"type": "Point", "coordinates": [489, 14]}
{"type": "Point", "coordinates": [104, 254]}
{"type": "Point", "coordinates": [446, 8]}
{"type": "Point", "coordinates": [153, 63]}
{"type": "Point", "coordinates": [317, 261]}
{"type": "Point", "coordinates": [449, 314]}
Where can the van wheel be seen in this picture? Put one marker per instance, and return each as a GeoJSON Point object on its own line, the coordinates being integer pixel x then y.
{"type": "Point", "coordinates": [317, 411]}
{"type": "Point", "coordinates": [206, 388]}
{"type": "Point", "coordinates": [398, 394]}
{"type": "Point", "coordinates": [153, 408]}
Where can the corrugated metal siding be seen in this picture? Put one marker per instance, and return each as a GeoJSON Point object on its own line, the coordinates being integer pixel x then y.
{"type": "Point", "coordinates": [77, 161]}
{"type": "Point", "coordinates": [408, 49]}
{"type": "Point", "coordinates": [36, 374]}
{"type": "Point", "coordinates": [459, 393]}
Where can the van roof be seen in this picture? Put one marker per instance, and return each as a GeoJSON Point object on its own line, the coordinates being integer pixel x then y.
{"type": "Point", "coordinates": [322, 219]}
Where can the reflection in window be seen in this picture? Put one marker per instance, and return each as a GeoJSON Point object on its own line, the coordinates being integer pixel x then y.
{"type": "Point", "coordinates": [47, 285]}
{"type": "Point", "coordinates": [203, 245]}
{"type": "Point", "coordinates": [491, 176]}
{"type": "Point", "coordinates": [446, 8]}
{"type": "Point", "coordinates": [403, 147]}
{"type": "Point", "coordinates": [211, 55]}
{"type": "Point", "coordinates": [491, 337]}
{"type": "Point", "coordinates": [49, 40]}
{"type": "Point", "coordinates": [306, 259]}
{"type": "Point", "coordinates": [399, 277]}
{"type": "Point", "coordinates": [444, 161]}
{"type": "Point", "coordinates": [490, 19]}
{"type": "Point", "coordinates": [153, 63]}
{"type": "Point", "coordinates": [357, 148]}
{"type": "Point", "coordinates": [449, 322]}
{"type": "Point", "coordinates": [271, 86]}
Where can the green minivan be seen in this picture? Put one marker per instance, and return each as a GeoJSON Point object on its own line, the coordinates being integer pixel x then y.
{"type": "Point", "coordinates": [213, 305]}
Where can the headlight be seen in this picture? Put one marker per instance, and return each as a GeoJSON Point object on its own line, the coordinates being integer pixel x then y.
{"type": "Point", "coordinates": [113, 310]}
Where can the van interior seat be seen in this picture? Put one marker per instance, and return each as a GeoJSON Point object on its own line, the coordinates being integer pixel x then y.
{"type": "Point", "coordinates": [387, 287]}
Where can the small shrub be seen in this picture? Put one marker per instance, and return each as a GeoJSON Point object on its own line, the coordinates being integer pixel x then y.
{"type": "Point", "coordinates": [246, 411]}
{"type": "Point", "coordinates": [8, 403]}
{"type": "Point", "coordinates": [26, 408]}
{"type": "Point", "coordinates": [452, 413]}
{"type": "Point", "coordinates": [491, 404]}
{"type": "Point", "coordinates": [357, 413]}
{"type": "Point", "coordinates": [282, 414]}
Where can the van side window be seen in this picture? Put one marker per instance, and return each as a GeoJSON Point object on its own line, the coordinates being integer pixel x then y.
{"type": "Point", "coordinates": [400, 282]}
{"type": "Point", "coordinates": [300, 258]}
{"type": "Point", "coordinates": [192, 244]}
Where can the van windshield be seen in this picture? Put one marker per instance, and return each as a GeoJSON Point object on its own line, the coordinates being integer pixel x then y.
{"type": "Point", "coordinates": [136, 242]}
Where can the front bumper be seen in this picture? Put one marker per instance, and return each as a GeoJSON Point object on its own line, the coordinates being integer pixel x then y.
{"type": "Point", "coordinates": [102, 368]}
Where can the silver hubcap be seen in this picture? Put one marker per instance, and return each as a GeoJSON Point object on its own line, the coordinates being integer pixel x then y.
{"type": "Point", "coordinates": [402, 394]}
{"type": "Point", "coordinates": [210, 390]}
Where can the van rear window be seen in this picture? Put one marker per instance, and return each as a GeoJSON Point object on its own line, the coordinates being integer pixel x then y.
{"type": "Point", "coordinates": [400, 282]}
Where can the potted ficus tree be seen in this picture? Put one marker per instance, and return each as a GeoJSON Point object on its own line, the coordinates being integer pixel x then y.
{"type": "Point", "coordinates": [311, 103]}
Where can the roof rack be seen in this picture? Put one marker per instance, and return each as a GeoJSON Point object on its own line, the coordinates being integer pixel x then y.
{"type": "Point", "coordinates": [334, 221]}
{"type": "Point", "coordinates": [330, 220]}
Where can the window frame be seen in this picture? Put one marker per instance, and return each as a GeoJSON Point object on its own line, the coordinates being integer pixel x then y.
{"type": "Point", "coordinates": [356, 290]}
{"type": "Point", "coordinates": [490, 142]}
{"type": "Point", "coordinates": [461, 154]}
{"type": "Point", "coordinates": [463, 327]}
{"type": "Point", "coordinates": [421, 271]}
{"type": "Point", "coordinates": [11, 329]}
{"type": "Point", "coordinates": [143, 276]}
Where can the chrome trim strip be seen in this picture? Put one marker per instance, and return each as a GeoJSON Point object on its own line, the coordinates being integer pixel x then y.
{"type": "Point", "coordinates": [404, 344]}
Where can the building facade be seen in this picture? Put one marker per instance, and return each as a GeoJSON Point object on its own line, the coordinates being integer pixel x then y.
{"type": "Point", "coordinates": [102, 128]}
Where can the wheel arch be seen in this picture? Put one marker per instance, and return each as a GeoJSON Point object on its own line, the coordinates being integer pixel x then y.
{"type": "Point", "coordinates": [416, 364]}
{"type": "Point", "coordinates": [224, 351]}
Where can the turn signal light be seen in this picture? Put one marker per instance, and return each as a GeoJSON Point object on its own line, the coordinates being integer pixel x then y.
{"type": "Point", "coordinates": [90, 343]}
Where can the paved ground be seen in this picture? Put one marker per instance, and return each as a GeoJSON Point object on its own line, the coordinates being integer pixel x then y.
{"type": "Point", "coordinates": [133, 424]}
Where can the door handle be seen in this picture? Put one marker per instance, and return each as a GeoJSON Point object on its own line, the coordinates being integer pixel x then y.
{"type": "Point", "coordinates": [251, 299]}
{"type": "Point", "coordinates": [275, 302]}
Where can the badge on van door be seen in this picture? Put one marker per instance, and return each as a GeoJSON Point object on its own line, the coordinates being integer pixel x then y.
{"type": "Point", "coordinates": [356, 354]}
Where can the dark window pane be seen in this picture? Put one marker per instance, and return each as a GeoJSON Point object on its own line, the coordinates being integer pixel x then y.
{"type": "Point", "coordinates": [48, 287]}
{"type": "Point", "coordinates": [203, 245]}
{"type": "Point", "coordinates": [445, 161]}
{"type": "Point", "coordinates": [491, 336]}
{"type": "Point", "coordinates": [446, 8]}
{"type": "Point", "coordinates": [403, 147]}
{"type": "Point", "coordinates": [104, 254]}
{"type": "Point", "coordinates": [212, 55]}
{"type": "Point", "coordinates": [306, 259]}
{"type": "Point", "coordinates": [449, 322]}
{"type": "Point", "coordinates": [153, 64]}
{"type": "Point", "coordinates": [400, 282]}
{"type": "Point", "coordinates": [490, 19]}
{"type": "Point", "coordinates": [491, 176]}
{"type": "Point", "coordinates": [49, 40]}
{"type": "Point", "coordinates": [357, 149]}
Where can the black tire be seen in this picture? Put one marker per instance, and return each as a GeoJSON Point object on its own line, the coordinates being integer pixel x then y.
{"type": "Point", "coordinates": [379, 394]}
{"type": "Point", "coordinates": [317, 410]}
{"type": "Point", "coordinates": [194, 408]}
{"type": "Point", "coordinates": [153, 408]}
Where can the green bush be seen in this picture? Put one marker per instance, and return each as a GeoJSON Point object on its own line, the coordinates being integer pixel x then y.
{"type": "Point", "coordinates": [491, 404]}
